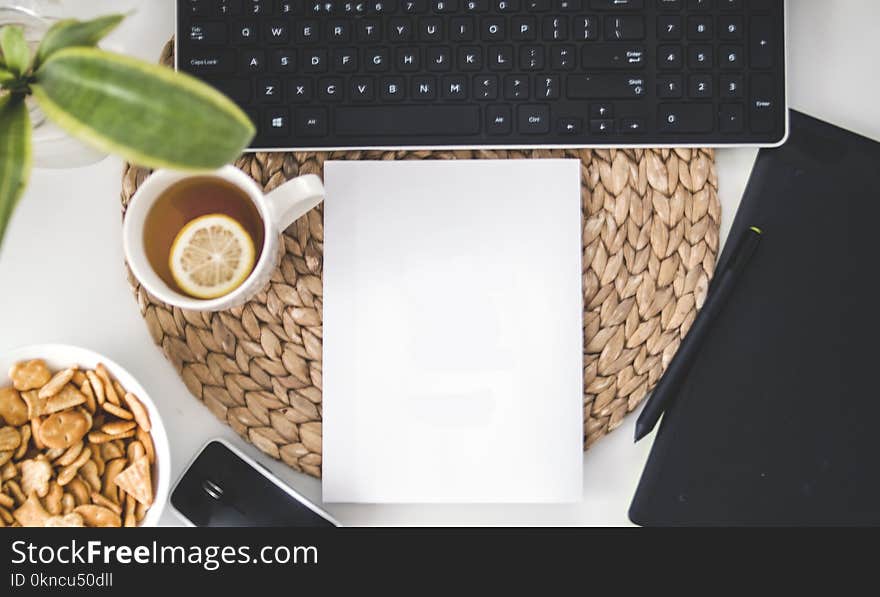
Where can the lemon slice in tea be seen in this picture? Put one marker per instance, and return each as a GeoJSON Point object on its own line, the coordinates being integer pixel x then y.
{"type": "Point", "coordinates": [211, 256]}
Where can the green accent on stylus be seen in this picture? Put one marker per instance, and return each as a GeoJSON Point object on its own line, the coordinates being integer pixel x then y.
{"type": "Point", "coordinates": [756, 229]}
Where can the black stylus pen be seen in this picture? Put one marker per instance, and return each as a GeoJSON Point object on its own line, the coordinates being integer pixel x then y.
{"type": "Point", "coordinates": [671, 381]}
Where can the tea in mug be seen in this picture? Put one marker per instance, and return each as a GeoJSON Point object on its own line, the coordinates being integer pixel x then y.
{"type": "Point", "coordinates": [203, 237]}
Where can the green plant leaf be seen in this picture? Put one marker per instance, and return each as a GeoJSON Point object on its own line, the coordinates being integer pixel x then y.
{"type": "Point", "coordinates": [15, 155]}
{"type": "Point", "coordinates": [16, 52]}
{"type": "Point", "coordinates": [6, 76]}
{"type": "Point", "coordinates": [72, 33]}
{"type": "Point", "coordinates": [150, 115]}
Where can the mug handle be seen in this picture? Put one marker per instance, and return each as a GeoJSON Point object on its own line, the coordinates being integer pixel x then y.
{"type": "Point", "coordinates": [294, 199]}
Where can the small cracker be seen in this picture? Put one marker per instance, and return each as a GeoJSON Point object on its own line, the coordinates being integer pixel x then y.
{"type": "Point", "coordinates": [10, 438]}
{"type": "Point", "coordinates": [36, 405]}
{"type": "Point", "coordinates": [99, 437]}
{"type": "Point", "coordinates": [114, 467]}
{"type": "Point", "coordinates": [135, 450]}
{"type": "Point", "coordinates": [109, 390]}
{"type": "Point", "coordinates": [64, 429]}
{"type": "Point", "coordinates": [136, 481]}
{"type": "Point", "coordinates": [25, 431]}
{"type": "Point", "coordinates": [35, 476]}
{"type": "Point", "coordinates": [52, 501]}
{"type": "Point", "coordinates": [97, 386]}
{"type": "Point", "coordinates": [69, 472]}
{"type": "Point", "coordinates": [111, 450]}
{"type": "Point", "coordinates": [14, 489]}
{"type": "Point", "coordinates": [71, 454]}
{"type": "Point", "coordinates": [6, 501]}
{"type": "Point", "coordinates": [118, 427]}
{"type": "Point", "coordinates": [6, 456]}
{"type": "Point", "coordinates": [13, 409]}
{"type": "Point", "coordinates": [68, 503]}
{"type": "Point", "coordinates": [8, 471]}
{"type": "Point", "coordinates": [30, 375]}
{"type": "Point", "coordinates": [35, 433]}
{"type": "Point", "coordinates": [67, 397]}
{"type": "Point", "coordinates": [130, 516]}
{"type": "Point", "coordinates": [139, 411]}
{"type": "Point", "coordinates": [98, 516]}
{"type": "Point", "coordinates": [6, 515]}
{"type": "Point", "coordinates": [117, 411]}
{"type": "Point", "coordinates": [100, 500]}
{"type": "Point", "coordinates": [70, 520]}
{"type": "Point", "coordinates": [80, 491]}
{"type": "Point", "coordinates": [98, 459]}
{"type": "Point", "coordinates": [55, 385]}
{"type": "Point", "coordinates": [89, 473]}
{"type": "Point", "coordinates": [89, 393]}
{"type": "Point", "coordinates": [31, 513]}
{"type": "Point", "coordinates": [140, 511]}
{"type": "Point", "coordinates": [79, 378]}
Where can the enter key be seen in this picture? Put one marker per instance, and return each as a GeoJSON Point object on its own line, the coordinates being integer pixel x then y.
{"type": "Point", "coordinates": [762, 105]}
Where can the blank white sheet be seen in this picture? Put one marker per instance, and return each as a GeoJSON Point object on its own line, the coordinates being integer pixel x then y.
{"type": "Point", "coordinates": [452, 368]}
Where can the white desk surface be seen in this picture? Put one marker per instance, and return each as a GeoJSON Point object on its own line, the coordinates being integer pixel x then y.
{"type": "Point", "coordinates": [62, 278]}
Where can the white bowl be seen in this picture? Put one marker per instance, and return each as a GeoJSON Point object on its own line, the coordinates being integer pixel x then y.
{"type": "Point", "coordinates": [60, 356]}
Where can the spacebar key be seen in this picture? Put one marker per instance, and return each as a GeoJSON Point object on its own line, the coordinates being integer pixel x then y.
{"type": "Point", "coordinates": [401, 121]}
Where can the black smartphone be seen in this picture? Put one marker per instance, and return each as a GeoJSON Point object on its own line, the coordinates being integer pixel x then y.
{"type": "Point", "coordinates": [223, 487]}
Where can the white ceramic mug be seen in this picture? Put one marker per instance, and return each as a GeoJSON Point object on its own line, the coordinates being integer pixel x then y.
{"type": "Point", "coordinates": [278, 210]}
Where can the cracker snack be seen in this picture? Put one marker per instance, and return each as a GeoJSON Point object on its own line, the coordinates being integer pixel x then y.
{"type": "Point", "coordinates": [75, 449]}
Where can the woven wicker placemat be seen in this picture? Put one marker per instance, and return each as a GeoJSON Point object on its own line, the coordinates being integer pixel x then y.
{"type": "Point", "coordinates": [651, 223]}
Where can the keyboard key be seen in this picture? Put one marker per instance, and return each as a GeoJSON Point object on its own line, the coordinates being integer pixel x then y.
{"type": "Point", "coordinates": [700, 86]}
{"type": "Point", "coordinates": [362, 89]}
{"type": "Point", "coordinates": [270, 91]}
{"type": "Point", "coordinates": [516, 87]}
{"type": "Point", "coordinates": [533, 119]}
{"type": "Point", "coordinates": [762, 111]}
{"type": "Point", "coordinates": [439, 59]}
{"type": "Point", "coordinates": [761, 46]}
{"type": "Point", "coordinates": [562, 58]}
{"type": "Point", "coordinates": [493, 29]}
{"type": "Point", "coordinates": [523, 28]}
{"type": "Point", "coordinates": [570, 126]}
{"type": "Point", "coordinates": [699, 28]}
{"type": "Point", "coordinates": [547, 87]}
{"type": "Point", "coordinates": [345, 60]}
{"type": "Point", "coordinates": [605, 86]}
{"type": "Point", "coordinates": [498, 120]}
{"type": "Point", "coordinates": [501, 57]}
{"type": "Point", "coordinates": [392, 89]}
{"type": "Point", "coordinates": [215, 62]}
{"type": "Point", "coordinates": [585, 29]}
{"type": "Point", "coordinates": [669, 27]}
{"type": "Point", "coordinates": [686, 118]}
{"type": "Point", "coordinates": [632, 126]}
{"type": "Point", "coordinates": [700, 57]}
{"type": "Point", "coordinates": [620, 56]}
{"type": "Point", "coordinates": [454, 87]}
{"type": "Point", "coordinates": [408, 121]}
{"type": "Point", "coordinates": [254, 61]}
{"type": "Point", "coordinates": [601, 126]}
{"type": "Point", "coordinates": [531, 58]}
{"type": "Point", "coordinates": [486, 87]}
{"type": "Point", "coordinates": [617, 4]}
{"type": "Point", "coordinates": [669, 58]}
{"type": "Point", "coordinates": [669, 87]}
{"type": "Point", "coordinates": [207, 34]}
{"type": "Point", "coordinates": [731, 86]}
{"type": "Point", "coordinates": [731, 57]}
{"type": "Point", "coordinates": [731, 118]}
{"type": "Point", "coordinates": [601, 111]}
{"type": "Point", "coordinates": [283, 61]}
{"type": "Point", "coordinates": [424, 88]}
{"type": "Point", "coordinates": [310, 122]}
{"type": "Point", "coordinates": [277, 122]}
{"type": "Point", "coordinates": [299, 90]}
{"type": "Point", "coordinates": [730, 28]}
{"type": "Point", "coordinates": [238, 90]}
{"type": "Point", "coordinates": [245, 33]}
{"type": "Point", "coordinates": [277, 33]}
{"type": "Point", "coordinates": [624, 28]}
{"type": "Point", "coordinates": [330, 89]}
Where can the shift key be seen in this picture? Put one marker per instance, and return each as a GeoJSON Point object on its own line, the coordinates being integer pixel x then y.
{"type": "Point", "coordinates": [606, 86]}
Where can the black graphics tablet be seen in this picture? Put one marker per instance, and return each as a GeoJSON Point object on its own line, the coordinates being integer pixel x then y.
{"type": "Point", "coordinates": [778, 422]}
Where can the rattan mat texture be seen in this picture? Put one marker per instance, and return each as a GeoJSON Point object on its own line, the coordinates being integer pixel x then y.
{"type": "Point", "coordinates": [650, 236]}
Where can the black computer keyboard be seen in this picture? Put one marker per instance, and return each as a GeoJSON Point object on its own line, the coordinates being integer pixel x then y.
{"type": "Point", "coordinates": [437, 73]}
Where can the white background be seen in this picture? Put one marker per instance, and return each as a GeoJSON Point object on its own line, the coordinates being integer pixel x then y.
{"type": "Point", "coordinates": [62, 280]}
